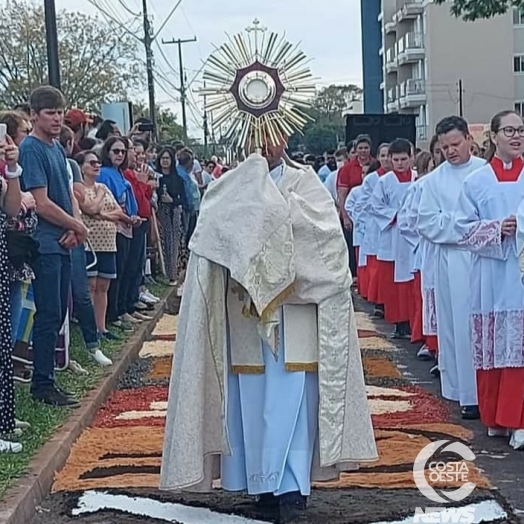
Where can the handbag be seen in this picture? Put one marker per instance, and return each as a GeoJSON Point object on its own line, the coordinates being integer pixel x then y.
{"type": "Point", "coordinates": [22, 249]}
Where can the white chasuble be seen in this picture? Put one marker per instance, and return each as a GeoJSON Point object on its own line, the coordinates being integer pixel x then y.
{"type": "Point", "coordinates": [268, 429]}
{"type": "Point", "coordinates": [452, 269]}
{"type": "Point", "coordinates": [495, 290]}
{"type": "Point", "coordinates": [356, 211]}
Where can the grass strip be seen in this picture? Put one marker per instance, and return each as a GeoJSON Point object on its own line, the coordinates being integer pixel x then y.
{"type": "Point", "coordinates": [45, 420]}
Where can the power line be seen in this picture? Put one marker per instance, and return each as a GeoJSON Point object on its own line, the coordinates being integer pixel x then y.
{"type": "Point", "coordinates": [182, 88]}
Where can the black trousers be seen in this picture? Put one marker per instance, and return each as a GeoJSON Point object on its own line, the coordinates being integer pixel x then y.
{"type": "Point", "coordinates": [348, 235]}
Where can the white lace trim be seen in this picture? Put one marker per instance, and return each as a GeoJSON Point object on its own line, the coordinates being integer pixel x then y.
{"type": "Point", "coordinates": [497, 339]}
{"type": "Point", "coordinates": [429, 312]}
{"type": "Point", "coordinates": [485, 237]}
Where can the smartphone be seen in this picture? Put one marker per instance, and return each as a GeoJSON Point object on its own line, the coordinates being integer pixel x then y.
{"type": "Point", "coordinates": [144, 128]}
{"type": "Point", "coordinates": [3, 132]}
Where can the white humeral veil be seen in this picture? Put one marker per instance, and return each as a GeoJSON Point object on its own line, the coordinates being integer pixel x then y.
{"type": "Point", "coordinates": [284, 246]}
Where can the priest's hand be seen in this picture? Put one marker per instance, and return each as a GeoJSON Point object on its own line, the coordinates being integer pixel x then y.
{"type": "Point", "coordinates": [509, 226]}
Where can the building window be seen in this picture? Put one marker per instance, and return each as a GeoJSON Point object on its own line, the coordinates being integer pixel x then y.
{"type": "Point", "coordinates": [519, 108]}
{"type": "Point", "coordinates": [518, 16]}
{"type": "Point", "coordinates": [518, 63]}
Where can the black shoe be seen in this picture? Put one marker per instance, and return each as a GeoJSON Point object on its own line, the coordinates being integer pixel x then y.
{"type": "Point", "coordinates": [266, 500]}
{"type": "Point", "coordinates": [54, 396]}
{"type": "Point", "coordinates": [435, 371]}
{"type": "Point", "coordinates": [470, 412]}
{"type": "Point", "coordinates": [110, 336]}
{"type": "Point", "coordinates": [292, 508]}
{"type": "Point", "coordinates": [378, 312]}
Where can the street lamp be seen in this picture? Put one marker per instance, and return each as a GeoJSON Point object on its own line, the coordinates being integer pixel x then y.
{"type": "Point", "coordinates": [53, 61]}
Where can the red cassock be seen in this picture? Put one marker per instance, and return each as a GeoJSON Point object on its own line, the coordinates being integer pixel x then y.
{"type": "Point", "coordinates": [416, 311]}
{"type": "Point", "coordinates": [501, 397]}
{"type": "Point", "coordinates": [373, 287]}
{"type": "Point", "coordinates": [396, 296]}
{"type": "Point", "coordinates": [363, 277]}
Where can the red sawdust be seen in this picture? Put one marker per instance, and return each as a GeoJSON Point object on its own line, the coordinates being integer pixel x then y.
{"type": "Point", "coordinates": [364, 333]}
{"type": "Point", "coordinates": [171, 337]}
{"type": "Point", "coordinates": [131, 400]}
{"type": "Point", "coordinates": [426, 409]}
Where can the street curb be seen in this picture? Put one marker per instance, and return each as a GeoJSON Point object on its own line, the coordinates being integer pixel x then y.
{"type": "Point", "coordinates": [21, 502]}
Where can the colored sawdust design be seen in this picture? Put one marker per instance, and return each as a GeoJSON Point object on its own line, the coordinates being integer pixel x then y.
{"type": "Point", "coordinates": [376, 367]}
{"type": "Point", "coordinates": [377, 343]}
{"type": "Point", "coordinates": [157, 349]}
{"type": "Point", "coordinates": [388, 407]}
{"type": "Point", "coordinates": [113, 458]}
{"type": "Point", "coordinates": [160, 369]}
{"type": "Point", "coordinates": [136, 403]}
{"type": "Point", "coordinates": [166, 326]}
{"type": "Point", "coordinates": [364, 322]}
{"type": "Point", "coordinates": [398, 449]}
{"type": "Point", "coordinates": [363, 333]}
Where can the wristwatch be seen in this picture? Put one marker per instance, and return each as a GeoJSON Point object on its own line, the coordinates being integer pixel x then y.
{"type": "Point", "coordinates": [13, 174]}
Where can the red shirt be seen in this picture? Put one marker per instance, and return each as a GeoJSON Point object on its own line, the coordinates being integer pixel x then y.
{"type": "Point", "coordinates": [143, 193]}
{"type": "Point", "coordinates": [350, 175]}
{"type": "Point", "coordinates": [507, 175]}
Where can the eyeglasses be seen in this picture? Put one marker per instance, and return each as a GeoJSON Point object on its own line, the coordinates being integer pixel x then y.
{"type": "Point", "coordinates": [510, 131]}
{"type": "Point", "coordinates": [94, 163]}
{"type": "Point", "coordinates": [119, 151]}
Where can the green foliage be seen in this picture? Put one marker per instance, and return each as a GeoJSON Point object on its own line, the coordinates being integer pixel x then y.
{"type": "Point", "coordinates": [475, 9]}
{"type": "Point", "coordinates": [169, 129]}
{"type": "Point", "coordinates": [328, 128]}
{"type": "Point", "coordinates": [99, 62]}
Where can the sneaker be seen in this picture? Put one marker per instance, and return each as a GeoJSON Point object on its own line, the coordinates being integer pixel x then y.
{"type": "Point", "coordinates": [107, 335]}
{"type": "Point", "coordinates": [75, 367]}
{"type": "Point", "coordinates": [292, 508]}
{"type": "Point", "coordinates": [435, 371]}
{"type": "Point", "coordinates": [129, 319]}
{"type": "Point", "coordinates": [172, 283]}
{"type": "Point", "coordinates": [141, 316]}
{"type": "Point", "coordinates": [20, 424]}
{"type": "Point", "coordinates": [424, 353]}
{"type": "Point", "coordinates": [142, 306]}
{"type": "Point", "coordinates": [10, 447]}
{"type": "Point", "coordinates": [517, 439]}
{"type": "Point", "coordinates": [126, 327]}
{"type": "Point", "coordinates": [149, 296]}
{"type": "Point", "coordinates": [100, 358]}
{"type": "Point", "coordinates": [54, 396]}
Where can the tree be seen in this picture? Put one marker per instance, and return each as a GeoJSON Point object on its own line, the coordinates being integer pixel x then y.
{"type": "Point", "coordinates": [328, 126]}
{"type": "Point", "coordinates": [99, 62]}
{"type": "Point", "coordinates": [331, 102]}
{"type": "Point", "coordinates": [319, 138]}
{"type": "Point", "coordinates": [475, 9]}
{"type": "Point", "coordinates": [169, 129]}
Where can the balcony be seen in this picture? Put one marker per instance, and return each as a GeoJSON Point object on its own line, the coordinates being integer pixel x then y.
{"type": "Point", "coordinates": [391, 60]}
{"type": "Point", "coordinates": [412, 93]}
{"type": "Point", "coordinates": [390, 27]}
{"type": "Point", "coordinates": [410, 48]}
{"type": "Point", "coordinates": [422, 133]}
{"type": "Point", "coordinates": [410, 10]}
{"type": "Point", "coordinates": [392, 105]}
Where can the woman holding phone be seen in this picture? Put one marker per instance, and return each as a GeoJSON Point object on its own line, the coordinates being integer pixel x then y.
{"type": "Point", "coordinates": [10, 202]}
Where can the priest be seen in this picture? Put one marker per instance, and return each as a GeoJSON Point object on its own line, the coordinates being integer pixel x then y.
{"type": "Point", "coordinates": [267, 390]}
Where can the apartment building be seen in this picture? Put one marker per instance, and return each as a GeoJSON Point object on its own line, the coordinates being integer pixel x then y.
{"type": "Point", "coordinates": [434, 64]}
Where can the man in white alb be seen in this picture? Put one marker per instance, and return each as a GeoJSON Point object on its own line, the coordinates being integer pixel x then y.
{"type": "Point", "coordinates": [452, 265]}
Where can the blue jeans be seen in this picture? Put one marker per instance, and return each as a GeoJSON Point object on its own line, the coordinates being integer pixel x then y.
{"type": "Point", "coordinates": [51, 290]}
{"type": "Point", "coordinates": [15, 301]}
{"type": "Point", "coordinates": [82, 305]}
{"type": "Point", "coordinates": [134, 270]}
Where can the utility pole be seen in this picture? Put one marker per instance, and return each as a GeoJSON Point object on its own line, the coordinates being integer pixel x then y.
{"type": "Point", "coordinates": [148, 40]}
{"type": "Point", "coordinates": [206, 129]}
{"type": "Point", "coordinates": [182, 89]}
{"type": "Point", "coordinates": [460, 98]}
{"type": "Point", "coordinates": [53, 60]}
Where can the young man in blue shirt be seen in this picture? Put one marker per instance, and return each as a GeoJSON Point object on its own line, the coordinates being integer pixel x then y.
{"type": "Point", "coordinates": [60, 229]}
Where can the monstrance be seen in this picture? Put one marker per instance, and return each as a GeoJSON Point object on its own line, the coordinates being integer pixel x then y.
{"type": "Point", "coordinates": [258, 85]}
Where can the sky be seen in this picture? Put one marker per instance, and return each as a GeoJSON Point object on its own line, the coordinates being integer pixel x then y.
{"type": "Point", "coordinates": [329, 32]}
